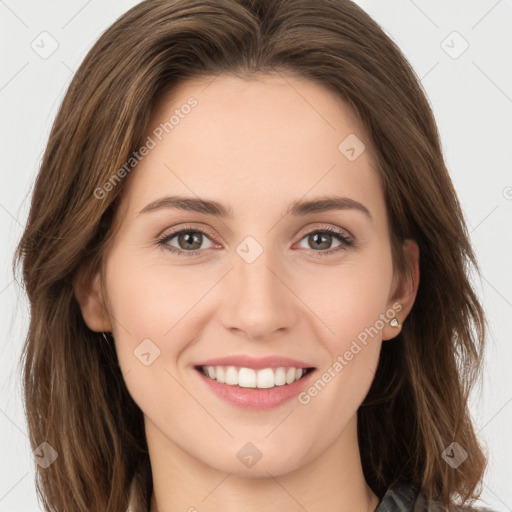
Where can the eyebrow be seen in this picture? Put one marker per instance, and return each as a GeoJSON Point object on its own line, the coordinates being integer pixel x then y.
{"type": "Point", "coordinates": [297, 208]}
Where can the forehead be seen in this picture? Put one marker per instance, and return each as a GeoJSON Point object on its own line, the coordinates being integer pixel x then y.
{"type": "Point", "coordinates": [283, 109]}
{"type": "Point", "coordinates": [269, 138]}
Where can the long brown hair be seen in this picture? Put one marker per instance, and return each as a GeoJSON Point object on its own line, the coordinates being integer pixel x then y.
{"type": "Point", "coordinates": [75, 396]}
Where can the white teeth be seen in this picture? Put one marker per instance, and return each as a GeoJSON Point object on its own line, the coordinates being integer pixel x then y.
{"type": "Point", "coordinates": [247, 378]}
{"type": "Point", "coordinates": [221, 374]}
{"type": "Point", "coordinates": [266, 378]}
{"type": "Point", "coordinates": [250, 378]}
{"type": "Point", "coordinates": [280, 377]}
{"type": "Point", "coordinates": [232, 376]}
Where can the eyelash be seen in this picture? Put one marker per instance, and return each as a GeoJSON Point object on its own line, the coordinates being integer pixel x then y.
{"type": "Point", "coordinates": [345, 240]}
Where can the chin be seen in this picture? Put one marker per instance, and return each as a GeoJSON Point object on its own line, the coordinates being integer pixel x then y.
{"type": "Point", "coordinates": [258, 459]}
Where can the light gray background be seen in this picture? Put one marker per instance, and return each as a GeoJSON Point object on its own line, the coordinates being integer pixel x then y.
{"type": "Point", "coordinates": [472, 99]}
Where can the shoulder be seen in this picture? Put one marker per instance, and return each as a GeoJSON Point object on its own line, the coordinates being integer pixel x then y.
{"type": "Point", "coordinates": [404, 497]}
{"type": "Point", "coordinates": [423, 505]}
{"type": "Point", "coordinates": [400, 497]}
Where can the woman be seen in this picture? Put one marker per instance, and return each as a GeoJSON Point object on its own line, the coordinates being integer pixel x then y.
{"type": "Point", "coordinates": [191, 347]}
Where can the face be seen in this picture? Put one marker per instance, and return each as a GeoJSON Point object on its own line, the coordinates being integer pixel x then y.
{"type": "Point", "coordinates": [270, 277]}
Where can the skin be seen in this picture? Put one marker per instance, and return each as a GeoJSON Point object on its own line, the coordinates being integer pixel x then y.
{"type": "Point", "coordinates": [255, 145]}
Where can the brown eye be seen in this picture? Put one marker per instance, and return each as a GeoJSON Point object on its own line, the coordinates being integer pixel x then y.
{"type": "Point", "coordinates": [186, 241]}
{"type": "Point", "coordinates": [321, 241]}
{"type": "Point", "coordinates": [189, 240]}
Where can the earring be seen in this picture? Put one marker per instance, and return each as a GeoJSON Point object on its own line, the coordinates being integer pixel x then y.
{"type": "Point", "coordinates": [395, 323]}
{"type": "Point", "coordinates": [105, 338]}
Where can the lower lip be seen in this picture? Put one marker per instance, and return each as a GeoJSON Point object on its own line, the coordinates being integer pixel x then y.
{"type": "Point", "coordinates": [255, 398]}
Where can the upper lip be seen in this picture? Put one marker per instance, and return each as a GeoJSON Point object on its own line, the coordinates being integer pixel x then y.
{"type": "Point", "coordinates": [257, 363]}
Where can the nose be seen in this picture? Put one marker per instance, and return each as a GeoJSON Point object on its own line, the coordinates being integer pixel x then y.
{"type": "Point", "coordinates": [258, 301]}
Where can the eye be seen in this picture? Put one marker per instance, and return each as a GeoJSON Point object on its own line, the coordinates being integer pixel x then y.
{"type": "Point", "coordinates": [322, 239]}
{"type": "Point", "coordinates": [189, 241]}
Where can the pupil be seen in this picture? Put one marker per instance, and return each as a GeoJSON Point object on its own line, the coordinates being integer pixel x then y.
{"type": "Point", "coordinates": [190, 239]}
{"type": "Point", "coordinates": [325, 244]}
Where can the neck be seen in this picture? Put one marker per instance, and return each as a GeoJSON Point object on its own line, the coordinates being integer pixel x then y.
{"type": "Point", "coordinates": [333, 481]}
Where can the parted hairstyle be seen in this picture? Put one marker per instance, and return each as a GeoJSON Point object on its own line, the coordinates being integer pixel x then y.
{"type": "Point", "coordinates": [75, 397]}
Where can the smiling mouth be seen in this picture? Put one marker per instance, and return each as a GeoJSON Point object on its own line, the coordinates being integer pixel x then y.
{"type": "Point", "coordinates": [264, 378]}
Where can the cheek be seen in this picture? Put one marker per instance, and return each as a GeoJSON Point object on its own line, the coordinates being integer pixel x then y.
{"type": "Point", "coordinates": [351, 300]}
{"type": "Point", "coordinates": [149, 298]}
{"type": "Point", "coordinates": [151, 320]}
{"type": "Point", "coordinates": [147, 306]}
{"type": "Point", "coordinates": [353, 307]}
{"type": "Point", "coordinates": [353, 342]}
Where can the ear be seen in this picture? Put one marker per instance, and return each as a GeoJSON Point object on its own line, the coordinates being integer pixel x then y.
{"type": "Point", "coordinates": [405, 289]}
{"type": "Point", "coordinates": [90, 299]}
